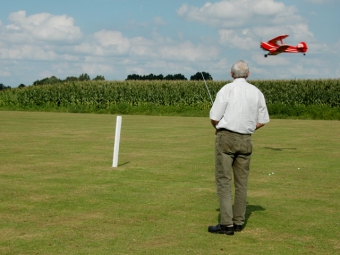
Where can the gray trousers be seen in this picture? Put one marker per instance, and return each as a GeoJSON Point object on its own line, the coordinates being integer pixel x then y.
{"type": "Point", "coordinates": [232, 156]}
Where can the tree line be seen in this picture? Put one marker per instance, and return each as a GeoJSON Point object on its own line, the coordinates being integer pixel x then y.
{"type": "Point", "coordinates": [54, 80]}
{"type": "Point", "coordinates": [169, 77]}
{"type": "Point", "coordinates": [3, 87]}
{"type": "Point", "coordinates": [85, 77]}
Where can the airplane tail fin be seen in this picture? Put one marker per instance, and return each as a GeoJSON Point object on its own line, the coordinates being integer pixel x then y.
{"type": "Point", "coordinates": [302, 47]}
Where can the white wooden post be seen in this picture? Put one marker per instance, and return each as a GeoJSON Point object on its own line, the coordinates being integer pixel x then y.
{"type": "Point", "coordinates": [117, 140]}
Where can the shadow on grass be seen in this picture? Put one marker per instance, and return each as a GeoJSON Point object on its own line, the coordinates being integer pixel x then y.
{"type": "Point", "coordinates": [123, 164]}
{"type": "Point", "coordinates": [249, 211]}
{"type": "Point", "coordinates": [278, 149]}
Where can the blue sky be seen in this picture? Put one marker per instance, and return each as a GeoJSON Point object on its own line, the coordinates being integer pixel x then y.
{"type": "Point", "coordinates": [114, 38]}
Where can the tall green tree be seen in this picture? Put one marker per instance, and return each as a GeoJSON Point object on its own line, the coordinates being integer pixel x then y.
{"type": "Point", "coordinates": [133, 77]}
{"type": "Point", "coordinates": [99, 78]}
{"type": "Point", "coordinates": [71, 78]}
{"type": "Point", "coordinates": [2, 87]}
{"type": "Point", "coordinates": [155, 77]}
{"type": "Point", "coordinates": [47, 81]}
{"type": "Point", "coordinates": [84, 77]}
{"type": "Point", "coordinates": [198, 76]}
{"type": "Point", "coordinates": [175, 77]}
{"type": "Point", "coordinates": [144, 77]}
{"type": "Point", "coordinates": [179, 77]}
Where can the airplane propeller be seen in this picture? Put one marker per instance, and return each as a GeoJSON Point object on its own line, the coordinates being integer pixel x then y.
{"type": "Point", "coordinates": [265, 55]}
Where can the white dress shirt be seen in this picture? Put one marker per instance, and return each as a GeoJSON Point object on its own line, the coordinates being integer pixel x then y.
{"type": "Point", "coordinates": [239, 106]}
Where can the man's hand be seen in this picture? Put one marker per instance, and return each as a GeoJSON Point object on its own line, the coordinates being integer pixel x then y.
{"type": "Point", "coordinates": [259, 125]}
{"type": "Point", "coordinates": [214, 123]}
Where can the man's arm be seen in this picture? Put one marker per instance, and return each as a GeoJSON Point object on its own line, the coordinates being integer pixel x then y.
{"type": "Point", "coordinates": [259, 125]}
{"type": "Point", "coordinates": [214, 123]}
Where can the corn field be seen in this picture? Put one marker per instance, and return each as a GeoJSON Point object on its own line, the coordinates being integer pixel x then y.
{"type": "Point", "coordinates": [105, 94]}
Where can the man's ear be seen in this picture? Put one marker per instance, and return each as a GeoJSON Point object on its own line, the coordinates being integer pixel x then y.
{"type": "Point", "coordinates": [231, 74]}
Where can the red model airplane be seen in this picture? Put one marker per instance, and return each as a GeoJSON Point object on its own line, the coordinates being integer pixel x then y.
{"type": "Point", "coordinates": [275, 46]}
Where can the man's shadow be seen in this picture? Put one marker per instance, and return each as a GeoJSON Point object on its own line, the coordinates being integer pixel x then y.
{"type": "Point", "coordinates": [279, 149]}
{"type": "Point", "coordinates": [249, 211]}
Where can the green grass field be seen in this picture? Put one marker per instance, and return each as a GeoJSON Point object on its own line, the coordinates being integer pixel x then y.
{"type": "Point", "coordinates": [60, 195]}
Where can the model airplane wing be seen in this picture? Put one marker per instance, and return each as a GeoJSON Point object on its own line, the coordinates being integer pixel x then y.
{"type": "Point", "coordinates": [279, 50]}
{"type": "Point", "coordinates": [278, 38]}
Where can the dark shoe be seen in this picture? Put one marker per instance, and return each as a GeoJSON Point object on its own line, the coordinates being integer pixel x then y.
{"type": "Point", "coordinates": [221, 229]}
{"type": "Point", "coordinates": [238, 228]}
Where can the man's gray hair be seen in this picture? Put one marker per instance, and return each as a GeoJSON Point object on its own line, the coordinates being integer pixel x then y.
{"type": "Point", "coordinates": [240, 69]}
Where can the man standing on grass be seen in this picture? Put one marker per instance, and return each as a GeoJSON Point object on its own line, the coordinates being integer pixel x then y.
{"type": "Point", "coordinates": [239, 109]}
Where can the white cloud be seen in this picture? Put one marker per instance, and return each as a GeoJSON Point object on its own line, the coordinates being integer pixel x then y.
{"type": "Point", "coordinates": [320, 1]}
{"type": "Point", "coordinates": [134, 25]}
{"type": "Point", "coordinates": [187, 51]}
{"type": "Point", "coordinates": [286, 16]}
{"type": "Point", "coordinates": [96, 68]}
{"type": "Point", "coordinates": [267, 8]}
{"type": "Point", "coordinates": [136, 70]}
{"type": "Point", "coordinates": [159, 21]}
{"type": "Point", "coordinates": [46, 73]}
{"type": "Point", "coordinates": [105, 44]}
{"type": "Point", "coordinates": [142, 47]}
{"type": "Point", "coordinates": [337, 46]}
{"type": "Point", "coordinates": [323, 48]}
{"type": "Point", "coordinates": [236, 13]}
{"type": "Point", "coordinates": [221, 67]}
{"type": "Point", "coordinates": [4, 73]}
{"type": "Point", "coordinates": [27, 52]}
{"type": "Point", "coordinates": [296, 32]}
{"type": "Point", "coordinates": [43, 26]}
{"type": "Point", "coordinates": [299, 70]}
{"type": "Point", "coordinates": [301, 31]}
{"type": "Point", "coordinates": [259, 20]}
{"type": "Point", "coordinates": [266, 33]}
{"type": "Point", "coordinates": [220, 14]}
{"type": "Point", "coordinates": [230, 38]}
{"type": "Point", "coordinates": [320, 48]}
{"type": "Point", "coordinates": [270, 61]}
{"type": "Point", "coordinates": [112, 42]}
